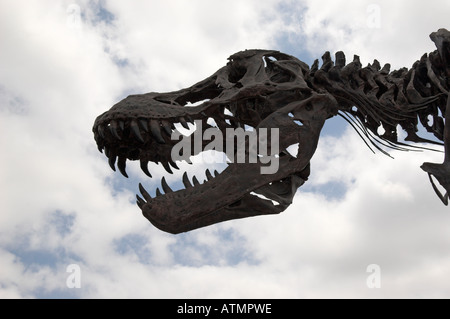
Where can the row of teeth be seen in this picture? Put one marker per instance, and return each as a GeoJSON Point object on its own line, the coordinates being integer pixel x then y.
{"type": "Point", "coordinates": [166, 188]}
{"type": "Point", "coordinates": [170, 165]}
{"type": "Point", "coordinates": [154, 126]}
{"type": "Point", "coordinates": [137, 126]}
{"type": "Point", "coordinates": [121, 164]}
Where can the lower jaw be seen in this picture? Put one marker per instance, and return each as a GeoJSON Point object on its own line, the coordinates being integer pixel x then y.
{"type": "Point", "coordinates": [178, 213]}
{"type": "Point", "coordinates": [241, 209]}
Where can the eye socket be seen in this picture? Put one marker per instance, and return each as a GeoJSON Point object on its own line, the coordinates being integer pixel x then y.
{"type": "Point", "coordinates": [308, 107]}
{"type": "Point", "coordinates": [281, 77]}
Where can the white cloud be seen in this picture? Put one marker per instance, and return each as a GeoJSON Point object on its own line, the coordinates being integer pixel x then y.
{"type": "Point", "coordinates": [394, 32]}
{"type": "Point", "coordinates": [59, 205]}
{"type": "Point", "coordinates": [163, 38]}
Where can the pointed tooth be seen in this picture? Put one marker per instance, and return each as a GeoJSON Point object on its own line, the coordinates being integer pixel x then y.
{"type": "Point", "coordinates": [121, 164]}
{"type": "Point", "coordinates": [166, 127]}
{"type": "Point", "coordinates": [158, 192]}
{"type": "Point", "coordinates": [173, 164]}
{"type": "Point", "coordinates": [216, 173]}
{"type": "Point", "coordinates": [136, 132]}
{"type": "Point", "coordinates": [235, 123]}
{"type": "Point", "coordinates": [186, 181]}
{"type": "Point", "coordinates": [144, 168]}
{"type": "Point", "coordinates": [144, 124]}
{"type": "Point", "coordinates": [140, 202]}
{"type": "Point", "coordinates": [165, 186]}
{"type": "Point", "coordinates": [156, 131]}
{"type": "Point", "coordinates": [221, 123]}
{"type": "Point", "coordinates": [208, 175]}
{"type": "Point", "coordinates": [189, 119]}
{"type": "Point", "coordinates": [113, 127]}
{"type": "Point", "coordinates": [122, 124]}
{"type": "Point", "coordinates": [100, 148]}
{"type": "Point", "coordinates": [184, 123]}
{"type": "Point", "coordinates": [144, 193]}
{"type": "Point", "coordinates": [101, 131]}
{"type": "Point", "coordinates": [167, 167]}
{"type": "Point", "coordinates": [195, 180]}
{"type": "Point", "coordinates": [112, 162]}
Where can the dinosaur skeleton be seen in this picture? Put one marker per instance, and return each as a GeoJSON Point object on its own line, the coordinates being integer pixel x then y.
{"type": "Point", "coordinates": [269, 89]}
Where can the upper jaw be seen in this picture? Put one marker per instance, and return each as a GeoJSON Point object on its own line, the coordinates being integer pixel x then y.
{"type": "Point", "coordinates": [141, 127]}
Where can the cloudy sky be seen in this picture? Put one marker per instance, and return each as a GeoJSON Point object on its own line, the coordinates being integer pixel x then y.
{"type": "Point", "coordinates": [65, 62]}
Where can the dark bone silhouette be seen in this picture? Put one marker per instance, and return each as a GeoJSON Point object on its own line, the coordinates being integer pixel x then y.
{"type": "Point", "coordinates": [269, 89]}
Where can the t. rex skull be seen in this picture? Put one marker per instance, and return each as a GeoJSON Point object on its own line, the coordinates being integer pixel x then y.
{"type": "Point", "coordinates": [266, 90]}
